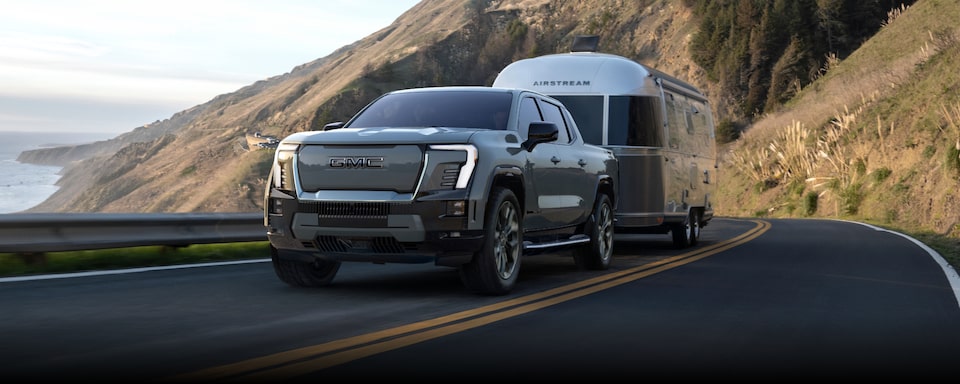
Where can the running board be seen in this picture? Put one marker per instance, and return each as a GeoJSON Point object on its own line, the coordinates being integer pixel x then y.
{"type": "Point", "coordinates": [573, 240]}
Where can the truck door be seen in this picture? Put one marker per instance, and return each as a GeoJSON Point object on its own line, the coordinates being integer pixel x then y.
{"type": "Point", "coordinates": [540, 170]}
{"type": "Point", "coordinates": [573, 171]}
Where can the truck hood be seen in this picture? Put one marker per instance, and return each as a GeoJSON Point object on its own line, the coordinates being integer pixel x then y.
{"type": "Point", "coordinates": [384, 135]}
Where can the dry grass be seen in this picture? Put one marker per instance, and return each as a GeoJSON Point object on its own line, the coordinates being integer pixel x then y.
{"type": "Point", "coordinates": [879, 71]}
{"type": "Point", "coordinates": [952, 116]}
{"type": "Point", "coordinates": [890, 154]}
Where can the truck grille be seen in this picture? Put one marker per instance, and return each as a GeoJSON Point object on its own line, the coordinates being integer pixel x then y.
{"type": "Point", "coordinates": [379, 245]}
{"type": "Point", "coordinates": [359, 167]}
{"type": "Point", "coordinates": [349, 209]}
{"type": "Point", "coordinates": [340, 209]}
{"type": "Point", "coordinates": [350, 214]}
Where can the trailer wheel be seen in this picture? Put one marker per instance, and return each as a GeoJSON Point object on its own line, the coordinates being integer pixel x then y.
{"type": "Point", "coordinates": [693, 233]}
{"type": "Point", "coordinates": [598, 252]}
{"type": "Point", "coordinates": [688, 233]}
{"type": "Point", "coordinates": [494, 268]}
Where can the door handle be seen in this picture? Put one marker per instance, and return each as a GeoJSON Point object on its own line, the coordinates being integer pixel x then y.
{"type": "Point", "coordinates": [555, 159]}
{"type": "Point", "coordinates": [582, 162]}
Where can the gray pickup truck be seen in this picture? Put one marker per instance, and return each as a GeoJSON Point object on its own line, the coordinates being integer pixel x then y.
{"type": "Point", "coordinates": [471, 177]}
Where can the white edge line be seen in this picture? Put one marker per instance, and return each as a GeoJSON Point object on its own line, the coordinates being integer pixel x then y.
{"type": "Point", "coordinates": [126, 270]}
{"type": "Point", "coordinates": [948, 269]}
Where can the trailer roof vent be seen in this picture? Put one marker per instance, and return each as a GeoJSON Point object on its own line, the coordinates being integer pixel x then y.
{"type": "Point", "coordinates": [585, 43]}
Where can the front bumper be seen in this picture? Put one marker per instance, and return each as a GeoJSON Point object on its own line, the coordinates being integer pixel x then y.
{"type": "Point", "coordinates": [418, 232]}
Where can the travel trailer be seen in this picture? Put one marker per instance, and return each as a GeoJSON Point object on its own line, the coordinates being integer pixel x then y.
{"type": "Point", "coordinates": [660, 128]}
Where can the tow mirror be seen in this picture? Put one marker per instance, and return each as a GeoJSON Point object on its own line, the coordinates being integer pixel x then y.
{"type": "Point", "coordinates": [540, 132]}
{"type": "Point", "coordinates": [332, 126]}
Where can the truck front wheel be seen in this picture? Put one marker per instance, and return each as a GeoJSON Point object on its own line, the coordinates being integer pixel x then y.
{"type": "Point", "coordinates": [494, 268]}
{"type": "Point", "coordinates": [304, 274]}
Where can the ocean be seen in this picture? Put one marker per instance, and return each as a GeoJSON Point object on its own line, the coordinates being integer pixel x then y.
{"type": "Point", "coordinates": [23, 186]}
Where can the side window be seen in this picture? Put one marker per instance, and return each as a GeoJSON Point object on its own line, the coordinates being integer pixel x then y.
{"type": "Point", "coordinates": [554, 114]}
{"type": "Point", "coordinates": [689, 112]}
{"type": "Point", "coordinates": [529, 112]}
{"type": "Point", "coordinates": [636, 121]}
{"type": "Point", "coordinates": [587, 113]}
{"type": "Point", "coordinates": [676, 121]}
{"type": "Point", "coordinates": [703, 131]}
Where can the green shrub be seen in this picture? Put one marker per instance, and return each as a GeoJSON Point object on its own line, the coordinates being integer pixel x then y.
{"type": "Point", "coordinates": [881, 174]}
{"type": "Point", "coordinates": [727, 131]}
{"type": "Point", "coordinates": [810, 203]}
{"type": "Point", "coordinates": [188, 170]}
{"type": "Point", "coordinates": [860, 167]}
{"type": "Point", "coordinates": [891, 216]}
{"type": "Point", "coordinates": [850, 199]}
{"type": "Point", "coordinates": [797, 187]}
{"type": "Point", "coordinates": [790, 208]}
{"type": "Point", "coordinates": [953, 159]}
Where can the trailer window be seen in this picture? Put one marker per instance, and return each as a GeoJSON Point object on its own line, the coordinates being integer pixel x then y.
{"type": "Point", "coordinates": [587, 112]}
{"type": "Point", "coordinates": [676, 120]}
{"type": "Point", "coordinates": [635, 121]}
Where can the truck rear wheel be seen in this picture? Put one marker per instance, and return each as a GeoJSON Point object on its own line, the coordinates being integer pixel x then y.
{"type": "Point", "coordinates": [598, 252]}
{"type": "Point", "coordinates": [494, 268]}
{"type": "Point", "coordinates": [304, 274]}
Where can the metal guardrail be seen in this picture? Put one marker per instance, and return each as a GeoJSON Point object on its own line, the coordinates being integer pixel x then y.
{"type": "Point", "coordinates": [53, 232]}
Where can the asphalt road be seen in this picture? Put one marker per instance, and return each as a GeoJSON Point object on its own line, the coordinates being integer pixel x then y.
{"type": "Point", "coordinates": [756, 299]}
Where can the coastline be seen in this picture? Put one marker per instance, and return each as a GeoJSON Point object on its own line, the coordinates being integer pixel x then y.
{"type": "Point", "coordinates": [31, 165]}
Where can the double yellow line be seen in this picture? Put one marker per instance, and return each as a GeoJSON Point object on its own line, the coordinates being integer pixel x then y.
{"type": "Point", "coordinates": [305, 360]}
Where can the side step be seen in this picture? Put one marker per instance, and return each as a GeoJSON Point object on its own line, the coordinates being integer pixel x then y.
{"type": "Point", "coordinates": [573, 240]}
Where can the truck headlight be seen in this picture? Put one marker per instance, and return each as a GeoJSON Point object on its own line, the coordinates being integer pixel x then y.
{"type": "Point", "coordinates": [466, 170]}
{"type": "Point", "coordinates": [283, 166]}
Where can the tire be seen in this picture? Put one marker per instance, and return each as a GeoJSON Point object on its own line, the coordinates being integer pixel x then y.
{"type": "Point", "coordinates": [304, 274]}
{"type": "Point", "coordinates": [693, 230]}
{"type": "Point", "coordinates": [494, 268]}
{"type": "Point", "coordinates": [598, 253]}
{"type": "Point", "coordinates": [688, 233]}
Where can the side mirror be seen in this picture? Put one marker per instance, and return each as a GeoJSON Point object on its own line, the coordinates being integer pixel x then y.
{"type": "Point", "coordinates": [332, 126]}
{"type": "Point", "coordinates": [540, 132]}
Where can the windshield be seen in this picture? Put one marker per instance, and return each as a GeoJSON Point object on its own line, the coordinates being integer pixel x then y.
{"type": "Point", "coordinates": [461, 109]}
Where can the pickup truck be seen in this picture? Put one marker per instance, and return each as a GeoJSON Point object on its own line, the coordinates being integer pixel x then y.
{"type": "Point", "coordinates": [470, 177]}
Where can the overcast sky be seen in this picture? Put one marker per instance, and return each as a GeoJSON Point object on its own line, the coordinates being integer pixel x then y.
{"type": "Point", "coordinates": [112, 66]}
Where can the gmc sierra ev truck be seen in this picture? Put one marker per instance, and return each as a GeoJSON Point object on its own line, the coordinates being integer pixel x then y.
{"type": "Point", "coordinates": [474, 178]}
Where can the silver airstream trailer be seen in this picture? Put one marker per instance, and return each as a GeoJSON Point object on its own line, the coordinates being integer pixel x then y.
{"type": "Point", "coordinates": [660, 128]}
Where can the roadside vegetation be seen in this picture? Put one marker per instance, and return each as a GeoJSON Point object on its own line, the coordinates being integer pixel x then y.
{"type": "Point", "coordinates": [154, 256]}
{"type": "Point", "coordinates": [875, 138]}
{"type": "Point", "coordinates": [135, 257]}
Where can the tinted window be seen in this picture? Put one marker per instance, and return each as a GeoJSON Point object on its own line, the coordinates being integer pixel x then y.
{"type": "Point", "coordinates": [460, 109]}
{"type": "Point", "coordinates": [587, 111]}
{"type": "Point", "coordinates": [635, 121]}
{"type": "Point", "coordinates": [529, 112]}
{"type": "Point", "coordinates": [554, 114]}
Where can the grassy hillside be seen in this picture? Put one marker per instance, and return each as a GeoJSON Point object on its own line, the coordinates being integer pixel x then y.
{"type": "Point", "coordinates": [876, 138]}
